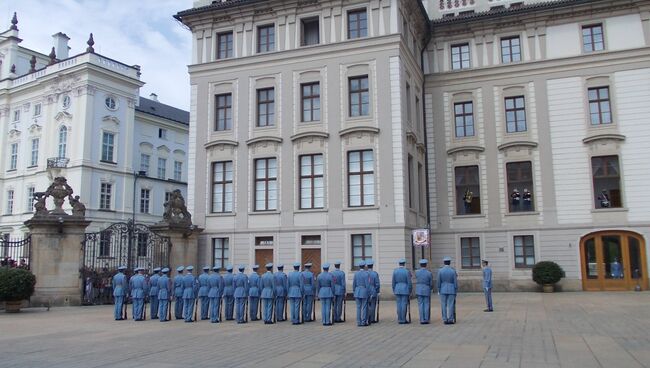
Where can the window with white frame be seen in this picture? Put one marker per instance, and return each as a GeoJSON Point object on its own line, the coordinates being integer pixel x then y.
{"type": "Point", "coordinates": [266, 184]}
{"type": "Point", "coordinates": [223, 112]}
{"type": "Point", "coordinates": [520, 186]}
{"type": "Point", "coordinates": [224, 45]}
{"type": "Point", "coordinates": [460, 56]}
{"type": "Point", "coordinates": [361, 178]}
{"type": "Point", "coordinates": [312, 186]}
{"type": "Point", "coordinates": [10, 202]}
{"type": "Point", "coordinates": [29, 200]}
{"type": "Point", "coordinates": [178, 170]}
{"type": "Point", "coordinates": [357, 24]}
{"type": "Point", "coordinates": [162, 168]}
{"type": "Point", "coordinates": [220, 252]}
{"type": "Point", "coordinates": [34, 158]}
{"type": "Point", "coordinates": [310, 101]}
{"type": "Point", "coordinates": [410, 180]}
{"type": "Point", "coordinates": [464, 119]}
{"type": "Point", "coordinates": [265, 107]}
{"type": "Point", "coordinates": [468, 190]}
{"type": "Point", "coordinates": [359, 96]}
{"type": "Point", "coordinates": [162, 133]}
{"type": "Point", "coordinates": [37, 109]}
{"type": "Point", "coordinates": [222, 186]}
{"type": "Point", "coordinates": [524, 251]}
{"type": "Point", "coordinates": [63, 141]}
{"type": "Point", "coordinates": [145, 196]}
{"type": "Point", "coordinates": [361, 249]}
{"type": "Point", "coordinates": [592, 38]}
{"type": "Point", "coordinates": [16, 116]}
{"type": "Point", "coordinates": [168, 196]}
{"type": "Point", "coordinates": [515, 114]}
{"type": "Point", "coordinates": [310, 31]}
{"type": "Point", "coordinates": [105, 193]}
{"type": "Point", "coordinates": [144, 162]}
{"type": "Point", "coordinates": [606, 176]}
{"type": "Point", "coordinates": [266, 38]}
{"type": "Point", "coordinates": [510, 49]}
{"type": "Point", "coordinates": [108, 147]}
{"type": "Point", "coordinates": [599, 105]}
{"type": "Point", "coordinates": [13, 156]}
{"type": "Point", "coordinates": [470, 253]}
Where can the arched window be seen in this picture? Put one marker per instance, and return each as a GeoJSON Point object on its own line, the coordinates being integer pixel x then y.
{"type": "Point", "coordinates": [63, 140]}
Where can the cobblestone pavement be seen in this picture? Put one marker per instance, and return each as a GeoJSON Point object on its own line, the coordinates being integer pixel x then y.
{"type": "Point", "coordinates": [526, 330]}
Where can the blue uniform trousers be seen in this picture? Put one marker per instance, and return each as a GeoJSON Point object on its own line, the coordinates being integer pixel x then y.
{"type": "Point", "coordinates": [372, 309]}
{"type": "Point", "coordinates": [188, 309]}
{"type": "Point", "coordinates": [362, 311]}
{"type": "Point", "coordinates": [488, 297]}
{"type": "Point", "coordinates": [163, 305]}
{"type": "Point", "coordinates": [253, 304]}
{"type": "Point", "coordinates": [138, 308]}
{"type": "Point", "coordinates": [153, 307]}
{"type": "Point", "coordinates": [307, 304]}
{"type": "Point", "coordinates": [401, 302]}
{"type": "Point", "coordinates": [338, 308]}
{"type": "Point", "coordinates": [239, 309]}
{"type": "Point", "coordinates": [447, 304]}
{"type": "Point", "coordinates": [279, 307]}
{"type": "Point", "coordinates": [295, 310]}
{"type": "Point", "coordinates": [119, 305]}
{"type": "Point", "coordinates": [326, 310]}
{"type": "Point", "coordinates": [267, 312]}
{"type": "Point", "coordinates": [215, 310]}
{"type": "Point", "coordinates": [178, 308]}
{"type": "Point", "coordinates": [229, 306]}
{"type": "Point", "coordinates": [424, 304]}
{"type": "Point", "coordinates": [205, 307]}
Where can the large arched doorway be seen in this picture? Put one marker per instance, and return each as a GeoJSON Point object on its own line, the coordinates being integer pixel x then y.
{"type": "Point", "coordinates": [613, 260]}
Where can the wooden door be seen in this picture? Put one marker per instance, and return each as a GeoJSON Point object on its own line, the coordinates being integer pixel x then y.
{"type": "Point", "coordinates": [262, 257]}
{"type": "Point", "coordinates": [313, 256]}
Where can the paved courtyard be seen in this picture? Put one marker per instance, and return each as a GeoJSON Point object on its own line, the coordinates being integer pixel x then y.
{"type": "Point", "coordinates": [526, 330]}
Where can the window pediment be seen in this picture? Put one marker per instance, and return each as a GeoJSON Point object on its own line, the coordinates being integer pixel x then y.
{"type": "Point", "coordinates": [465, 149]}
{"type": "Point", "coordinates": [604, 138]}
{"type": "Point", "coordinates": [358, 129]}
{"type": "Point", "coordinates": [111, 119]}
{"type": "Point", "coordinates": [307, 135]}
{"type": "Point", "coordinates": [63, 116]}
{"type": "Point", "coordinates": [517, 145]}
{"type": "Point", "coordinates": [263, 139]}
{"type": "Point", "coordinates": [221, 142]}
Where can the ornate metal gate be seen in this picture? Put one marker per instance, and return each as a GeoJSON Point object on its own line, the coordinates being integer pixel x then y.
{"type": "Point", "coordinates": [127, 244]}
{"type": "Point", "coordinates": [15, 252]}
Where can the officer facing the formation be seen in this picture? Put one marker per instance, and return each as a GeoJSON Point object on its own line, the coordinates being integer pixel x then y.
{"type": "Point", "coordinates": [373, 292]}
{"type": "Point", "coordinates": [324, 284]}
{"type": "Point", "coordinates": [281, 287]}
{"type": "Point", "coordinates": [402, 289]}
{"type": "Point", "coordinates": [294, 282]}
{"type": "Point", "coordinates": [423, 290]}
{"type": "Point", "coordinates": [254, 287]}
{"type": "Point", "coordinates": [307, 293]}
{"type": "Point", "coordinates": [178, 293]}
{"type": "Point", "coordinates": [360, 287]}
{"type": "Point", "coordinates": [138, 285]}
{"type": "Point", "coordinates": [216, 291]}
{"type": "Point", "coordinates": [229, 293]}
{"type": "Point", "coordinates": [241, 294]}
{"type": "Point", "coordinates": [487, 286]}
{"type": "Point", "coordinates": [190, 288]}
{"type": "Point", "coordinates": [120, 290]}
{"type": "Point", "coordinates": [204, 288]}
{"type": "Point", "coordinates": [339, 291]}
{"type": "Point", "coordinates": [268, 294]}
{"type": "Point", "coordinates": [164, 294]}
{"type": "Point", "coordinates": [153, 293]}
{"type": "Point", "coordinates": [447, 286]}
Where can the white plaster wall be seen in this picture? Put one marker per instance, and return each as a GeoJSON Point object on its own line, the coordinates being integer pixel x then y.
{"type": "Point", "coordinates": [624, 32]}
{"type": "Point", "coordinates": [563, 40]}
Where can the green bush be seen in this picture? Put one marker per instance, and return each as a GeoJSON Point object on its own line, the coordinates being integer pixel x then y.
{"type": "Point", "coordinates": [16, 284]}
{"type": "Point", "coordinates": [547, 272]}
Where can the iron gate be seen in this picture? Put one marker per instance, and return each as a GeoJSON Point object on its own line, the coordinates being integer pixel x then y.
{"type": "Point", "coordinates": [15, 252]}
{"type": "Point", "coordinates": [121, 244]}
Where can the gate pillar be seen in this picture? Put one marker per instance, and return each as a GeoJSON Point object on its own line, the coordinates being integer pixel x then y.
{"type": "Point", "coordinates": [184, 248]}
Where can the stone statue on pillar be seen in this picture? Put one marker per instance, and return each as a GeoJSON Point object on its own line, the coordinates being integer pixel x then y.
{"type": "Point", "coordinates": [176, 213]}
{"type": "Point", "coordinates": [59, 190]}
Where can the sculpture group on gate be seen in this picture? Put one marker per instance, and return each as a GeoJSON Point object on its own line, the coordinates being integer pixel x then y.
{"type": "Point", "coordinates": [59, 190]}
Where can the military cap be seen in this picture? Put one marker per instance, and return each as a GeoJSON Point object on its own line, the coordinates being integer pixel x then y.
{"type": "Point", "coordinates": [280, 266]}
{"type": "Point", "coordinates": [269, 265]}
{"type": "Point", "coordinates": [446, 259]}
{"type": "Point", "coordinates": [255, 267]}
{"type": "Point", "coordinates": [216, 268]}
{"type": "Point", "coordinates": [241, 267]}
{"type": "Point", "coordinates": [206, 268]}
{"type": "Point", "coordinates": [229, 267]}
{"type": "Point", "coordinates": [136, 269]}
{"type": "Point", "coordinates": [362, 263]}
{"type": "Point", "coordinates": [423, 261]}
{"type": "Point", "coordinates": [189, 268]}
{"type": "Point", "coordinates": [308, 264]}
{"type": "Point", "coordinates": [165, 270]}
{"type": "Point", "coordinates": [180, 268]}
{"type": "Point", "coordinates": [337, 263]}
{"type": "Point", "coordinates": [370, 263]}
{"type": "Point", "coordinates": [296, 264]}
{"type": "Point", "coordinates": [157, 269]}
{"type": "Point", "coordinates": [326, 266]}
{"type": "Point", "coordinates": [401, 261]}
{"type": "Point", "coordinates": [121, 268]}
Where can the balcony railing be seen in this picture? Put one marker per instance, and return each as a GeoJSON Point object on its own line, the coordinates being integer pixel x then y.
{"type": "Point", "coordinates": [57, 162]}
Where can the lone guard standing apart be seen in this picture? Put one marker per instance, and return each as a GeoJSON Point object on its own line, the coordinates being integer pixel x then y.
{"type": "Point", "coordinates": [178, 293]}
{"type": "Point", "coordinates": [138, 286]}
{"type": "Point", "coordinates": [120, 290]}
{"type": "Point", "coordinates": [280, 281]}
{"type": "Point", "coordinates": [402, 287]}
{"type": "Point", "coordinates": [229, 293]}
{"type": "Point", "coordinates": [360, 287]}
{"type": "Point", "coordinates": [339, 291]}
{"type": "Point", "coordinates": [294, 283]}
{"type": "Point", "coordinates": [423, 289]}
{"type": "Point", "coordinates": [373, 291]}
{"type": "Point", "coordinates": [324, 283]}
{"type": "Point", "coordinates": [153, 293]}
{"type": "Point", "coordinates": [241, 294]}
{"type": "Point", "coordinates": [487, 286]}
{"type": "Point", "coordinates": [189, 294]}
{"type": "Point", "coordinates": [164, 294]}
{"type": "Point", "coordinates": [204, 288]}
{"type": "Point", "coordinates": [254, 293]}
{"type": "Point", "coordinates": [447, 286]}
{"type": "Point", "coordinates": [216, 291]}
{"type": "Point", "coordinates": [308, 293]}
{"type": "Point", "coordinates": [268, 294]}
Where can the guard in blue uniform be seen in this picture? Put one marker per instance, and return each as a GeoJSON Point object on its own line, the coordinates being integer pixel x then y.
{"type": "Point", "coordinates": [241, 294]}
{"type": "Point", "coordinates": [153, 293]}
{"type": "Point", "coordinates": [423, 290]}
{"type": "Point", "coordinates": [308, 282]}
{"type": "Point", "coordinates": [178, 292]}
{"type": "Point", "coordinates": [254, 287]}
{"type": "Point", "coordinates": [281, 287]}
{"type": "Point", "coordinates": [373, 292]}
{"type": "Point", "coordinates": [120, 290]}
{"type": "Point", "coordinates": [165, 293]}
{"type": "Point", "coordinates": [487, 286]}
{"type": "Point", "coordinates": [447, 284]}
{"type": "Point", "coordinates": [339, 291]}
{"type": "Point", "coordinates": [402, 287]}
{"type": "Point", "coordinates": [204, 288]}
{"type": "Point", "coordinates": [325, 285]}
{"type": "Point", "coordinates": [229, 293]}
{"type": "Point", "coordinates": [138, 287]}
{"type": "Point", "coordinates": [216, 291]}
{"type": "Point", "coordinates": [268, 294]}
{"type": "Point", "coordinates": [360, 285]}
{"type": "Point", "coordinates": [294, 284]}
{"type": "Point", "coordinates": [190, 291]}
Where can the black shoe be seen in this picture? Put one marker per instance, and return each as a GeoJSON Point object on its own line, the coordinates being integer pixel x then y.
{"type": "Point", "coordinates": [447, 322]}
{"type": "Point", "coordinates": [487, 310]}
{"type": "Point", "coordinates": [424, 323]}
{"type": "Point", "coordinates": [402, 323]}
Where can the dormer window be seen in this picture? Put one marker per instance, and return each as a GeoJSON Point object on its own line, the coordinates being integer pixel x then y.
{"type": "Point", "coordinates": [310, 32]}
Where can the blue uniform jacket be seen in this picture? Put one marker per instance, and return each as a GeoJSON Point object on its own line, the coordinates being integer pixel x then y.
{"type": "Point", "coordinates": [360, 284]}
{"type": "Point", "coordinates": [294, 282]}
{"type": "Point", "coordinates": [120, 287]}
{"type": "Point", "coordinates": [216, 285]}
{"type": "Point", "coordinates": [178, 286]}
{"type": "Point", "coordinates": [374, 285]}
{"type": "Point", "coordinates": [228, 284]}
{"type": "Point", "coordinates": [339, 282]}
{"type": "Point", "coordinates": [204, 285]}
{"type": "Point", "coordinates": [268, 291]}
{"type": "Point", "coordinates": [254, 285]}
{"type": "Point", "coordinates": [423, 282]}
{"type": "Point", "coordinates": [281, 284]}
{"type": "Point", "coordinates": [138, 286]}
{"type": "Point", "coordinates": [487, 278]}
{"type": "Point", "coordinates": [325, 283]}
{"type": "Point", "coordinates": [164, 287]}
{"type": "Point", "coordinates": [153, 288]}
{"type": "Point", "coordinates": [241, 285]}
{"type": "Point", "coordinates": [190, 287]}
{"type": "Point", "coordinates": [307, 283]}
{"type": "Point", "coordinates": [447, 281]}
{"type": "Point", "coordinates": [402, 281]}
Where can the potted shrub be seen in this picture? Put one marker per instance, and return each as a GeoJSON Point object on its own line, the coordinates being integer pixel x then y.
{"type": "Point", "coordinates": [547, 274]}
{"type": "Point", "coordinates": [16, 285]}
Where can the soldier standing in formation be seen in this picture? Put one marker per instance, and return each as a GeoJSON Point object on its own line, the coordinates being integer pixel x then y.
{"type": "Point", "coordinates": [360, 287]}
{"type": "Point", "coordinates": [204, 288]}
{"type": "Point", "coordinates": [120, 290]}
{"type": "Point", "coordinates": [216, 290]}
{"type": "Point", "coordinates": [281, 287]}
{"type": "Point", "coordinates": [229, 293]}
{"type": "Point", "coordinates": [324, 284]}
{"type": "Point", "coordinates": [178, 293]}
{"type": "Point", "coordinates": [153, 293]}
{"type": "Point", "coordinates": [447, 286]}
{"type": "Point", "coordinates": [138, 287]}
{"type": "Point", "coordinates": [423, 290]}
{"type": "Point", "coordinates": [294, 283]}
{"type": "Point", "coordinates": [307, 293]}
{"type": "Point", "coordinates": [373, 292]}
{"type": "Point", "coordinates": [268, 294]}
{"type": "Point", "coordinates": [164, 294]}
{"type": "Point", "coordinates": [189, 293]}
{"type": "Point", "coordinates": [241, 294]}
{"type": "Point", "coordinates": [402, 289]}
{"type": "Point", "coordinates": [487, 286]}
{"type": "Point", "coordinates": [339, 291]}
{"type": "Point", "coordinates": [254, 293]}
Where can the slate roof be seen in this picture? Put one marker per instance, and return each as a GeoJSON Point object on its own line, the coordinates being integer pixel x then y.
{"type": "Point", "coordinates": [156, 108]}
{"type": "Point", "coordinates": [216, 4]}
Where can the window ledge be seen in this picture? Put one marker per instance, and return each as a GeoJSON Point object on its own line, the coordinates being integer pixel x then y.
{"type": "Point", "coordinates": [522, 213]}
{"type": "Point", "coordinates": [359, 119]}
{"type": "Point", "coordinates": [272, 212]}
{"type": "Point", "coordinates": [360, 208]}
{"type": "Point", "coordinates": [310, 210]}
{"type": "Point", "coordinates": [221, 214]}
{"type": "Point", "coordinates": [105, 210]}
{"type": "Point", "coordinates": [11, 170]}
{"type": "Point", "coordinates": [108, 162]}
{"type": "Point", "coordinates": [480, 215]}
{"type": "Point", "coordinates": [609, 210]}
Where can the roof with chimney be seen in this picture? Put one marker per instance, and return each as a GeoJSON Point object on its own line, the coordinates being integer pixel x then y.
{"type": "Point", "coordinates": [155, 108]}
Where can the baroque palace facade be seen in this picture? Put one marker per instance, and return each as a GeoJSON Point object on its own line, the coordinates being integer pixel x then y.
{"type": "Point", "coordinates": [514, 130]}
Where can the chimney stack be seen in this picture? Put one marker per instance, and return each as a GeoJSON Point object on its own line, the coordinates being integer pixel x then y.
{"type": "Point", "coordinates": [154, 97]}
{"type": "Point", "coordinates": [61, 45]}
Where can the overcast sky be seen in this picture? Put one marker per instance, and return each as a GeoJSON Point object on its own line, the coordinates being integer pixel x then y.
{"type": "Point", "coordinates": [139, 32]}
